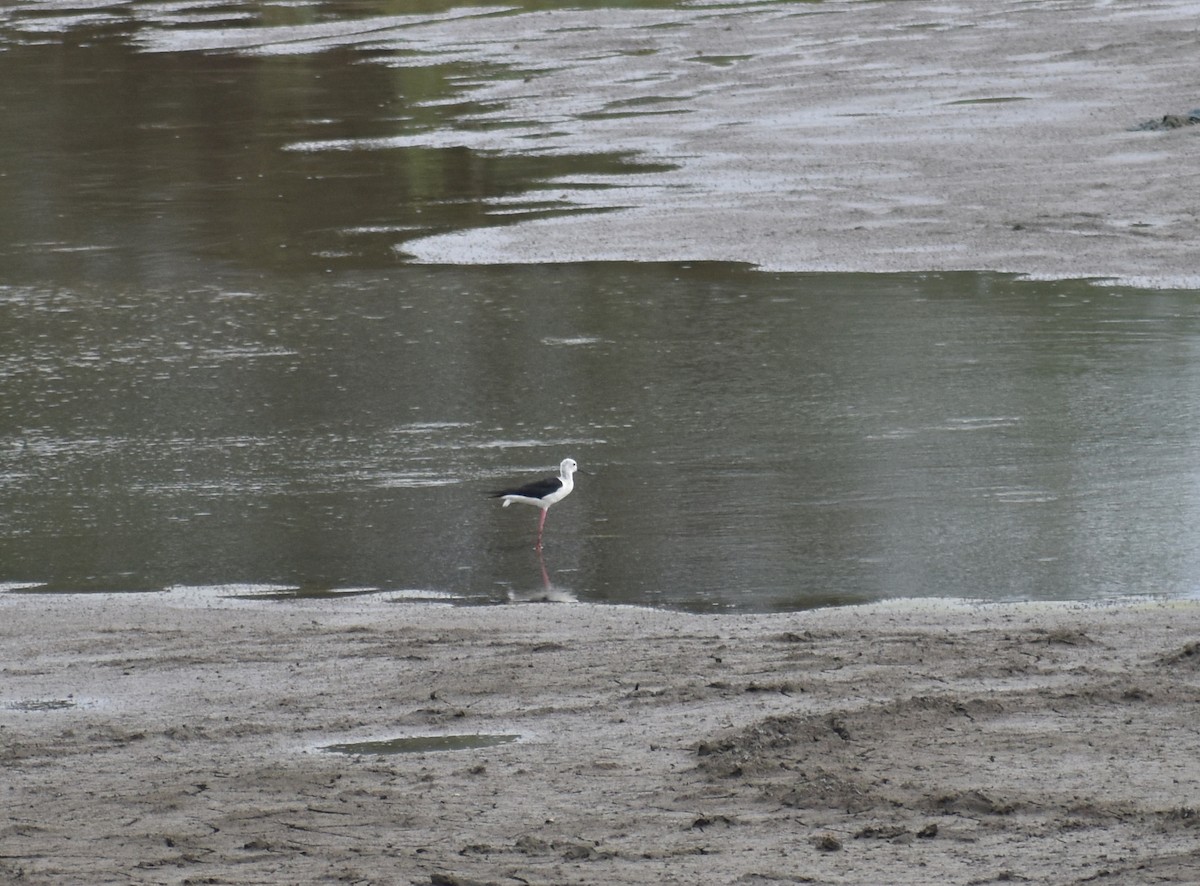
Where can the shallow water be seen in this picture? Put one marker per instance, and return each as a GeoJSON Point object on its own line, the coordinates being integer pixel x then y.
{"type": "Point", "coordinates": [217, 370]}
{"type": "Point", "coordinates": [423, 744]}
{"type": "Point", "coordinates": [755, 441]}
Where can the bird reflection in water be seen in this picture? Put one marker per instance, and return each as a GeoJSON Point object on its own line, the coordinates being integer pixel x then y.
{"type": "Point", "coordinates": [547, 593]}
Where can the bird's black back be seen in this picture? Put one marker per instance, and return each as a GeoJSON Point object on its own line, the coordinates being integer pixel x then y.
{"type": "Point", "coordinates": [536, 489]}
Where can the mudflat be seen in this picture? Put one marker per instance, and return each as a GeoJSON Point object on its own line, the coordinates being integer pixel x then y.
{"type": "Point", "coordinates": [168, 738]}
{"type": "Point", "coordinates": [849, 136]}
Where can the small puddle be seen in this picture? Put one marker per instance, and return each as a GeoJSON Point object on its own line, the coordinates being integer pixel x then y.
{"type": "Point", "coordinates": [422, 744]}
{"type": "Point", "coordinates": [993, 100]}
{"type": "Point", "coordinates": [40, 704]}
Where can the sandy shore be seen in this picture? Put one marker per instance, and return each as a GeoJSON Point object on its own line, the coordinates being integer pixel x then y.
{"type": "Point", "coordinates": [167, 739]}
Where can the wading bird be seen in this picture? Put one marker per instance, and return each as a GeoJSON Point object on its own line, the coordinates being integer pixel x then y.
{"type": "Point", "coordinates": [543, 493]}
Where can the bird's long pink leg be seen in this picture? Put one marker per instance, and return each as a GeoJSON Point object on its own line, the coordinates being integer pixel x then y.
{"type": "Point", "coordinates": [541, 523]}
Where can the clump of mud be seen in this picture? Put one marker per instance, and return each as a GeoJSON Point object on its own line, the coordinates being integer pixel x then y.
{"type": "Point", "coordinates": [860, 760]}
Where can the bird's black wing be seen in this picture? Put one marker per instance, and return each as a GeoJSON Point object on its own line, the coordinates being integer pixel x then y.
{"type": "Point", "coordinates": [536, 489]}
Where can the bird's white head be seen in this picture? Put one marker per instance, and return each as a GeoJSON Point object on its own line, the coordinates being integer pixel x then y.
{"type": "Point", "coordinates": [568, 467]}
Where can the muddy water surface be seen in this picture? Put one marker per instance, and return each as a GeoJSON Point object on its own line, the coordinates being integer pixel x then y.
{"type": "Point", "coordinates": [218, 369]}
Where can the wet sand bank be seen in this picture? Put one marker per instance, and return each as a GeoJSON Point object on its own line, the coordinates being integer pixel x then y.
{"type": "Point", "coordinates": [850, 136]}
{"type": "Point", "coordinates": [147, 739]}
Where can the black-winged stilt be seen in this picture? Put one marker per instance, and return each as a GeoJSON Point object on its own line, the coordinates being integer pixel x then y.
{"type": "Point", "coordinates": [543, 493]}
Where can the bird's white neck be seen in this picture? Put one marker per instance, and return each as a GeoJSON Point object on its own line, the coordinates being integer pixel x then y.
{"type": "Point", "coordinates": [568, 479]}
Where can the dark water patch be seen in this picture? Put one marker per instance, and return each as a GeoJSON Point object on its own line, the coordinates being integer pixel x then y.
{"type": "Point", "coordinates": [992, 100]}
{"type": "Point", "coordinates": [720, 61]}
{"type": "Point", "coordinates": [423, 744]}
{"type": "Point", "coordinates": [82, 586]}
{"type": "Point", "coordinates": [138, 165]}
{"type": "Point", "coordinates": [644, 112]}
